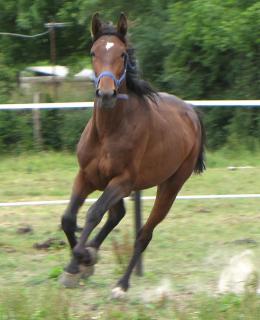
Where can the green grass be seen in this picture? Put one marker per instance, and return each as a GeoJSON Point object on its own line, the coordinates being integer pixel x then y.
{"type": "Point", "coordinates": [229, 156]}
{"type": "Point", "coordinates": [189, 249]}
{"type": "Point", "coordinates": [50, 176]}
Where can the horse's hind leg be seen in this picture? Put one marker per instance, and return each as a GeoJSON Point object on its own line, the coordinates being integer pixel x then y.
{"type": "Point", "coordinates": [166, 194]}
{"type": "Point", "coordinates": [69, 219]}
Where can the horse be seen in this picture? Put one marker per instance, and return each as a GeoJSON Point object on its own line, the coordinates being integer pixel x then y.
{"type": "Point", "coordinates": [137, 138]}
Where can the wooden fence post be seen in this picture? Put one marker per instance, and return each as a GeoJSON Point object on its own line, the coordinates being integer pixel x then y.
{"type": "Point", "coordinates": [37, 135]}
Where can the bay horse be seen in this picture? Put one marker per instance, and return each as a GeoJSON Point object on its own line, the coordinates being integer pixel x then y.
{"type": "Point", "coordinates": [137, 138]}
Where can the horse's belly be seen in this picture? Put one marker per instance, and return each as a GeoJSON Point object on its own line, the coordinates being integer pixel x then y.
{"type": "Point", "coordinates": [156, 172]}
{"type": "Point", "coordinates": [161, 161]}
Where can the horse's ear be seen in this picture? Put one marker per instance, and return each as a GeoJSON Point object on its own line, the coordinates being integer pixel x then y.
{"type": "Point", "coordinates": [96, 24]}
{"type": "Point", "coordinates": [122, 24]}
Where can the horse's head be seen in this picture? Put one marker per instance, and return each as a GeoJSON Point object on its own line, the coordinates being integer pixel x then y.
{"type": "Point", "coordinates": [109, 59]}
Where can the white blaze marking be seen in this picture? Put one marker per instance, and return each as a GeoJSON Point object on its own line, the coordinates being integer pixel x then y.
{"type": "Point", "coordinates": [109, 45]}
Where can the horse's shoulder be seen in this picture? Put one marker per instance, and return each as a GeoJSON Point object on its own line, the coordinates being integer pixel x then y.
{"type": "Point", "coordinates": [175, 104]}
{"type": "Point", "coordinates": [173, 100]}
{"type": "Point", "coordinates": [86, 142]}
{"type": "Point", "coordinates": [172, 109]}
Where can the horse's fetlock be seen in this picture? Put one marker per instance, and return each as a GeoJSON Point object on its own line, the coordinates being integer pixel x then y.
{"type": "Point", "coordinates": [82, 255]}
{"type": "Point", "coordinates": [78, 252]}
{"type": "Point", "coordinates": [123, 284]}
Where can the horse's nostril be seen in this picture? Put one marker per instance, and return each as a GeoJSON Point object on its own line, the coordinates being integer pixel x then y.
{"type": "Point", "coordinates": [98, 93]}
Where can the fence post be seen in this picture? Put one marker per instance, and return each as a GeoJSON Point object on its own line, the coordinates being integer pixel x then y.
{"type": "Point", "coordinates": [138, 226]}
{"type": "Point", "coordinates": [37, 135]}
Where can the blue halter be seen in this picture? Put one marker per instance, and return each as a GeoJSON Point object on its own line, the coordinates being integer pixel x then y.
{"type": "Point", "coordinates": [117, 82]}
{"type": "Point", "coordinates": [110, 74]}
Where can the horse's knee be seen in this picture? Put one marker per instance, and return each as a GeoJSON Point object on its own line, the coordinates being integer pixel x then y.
{"type": "Point", "coordinates": [68, 223]}
{"type": "Point", "coordinates": [93, 216]}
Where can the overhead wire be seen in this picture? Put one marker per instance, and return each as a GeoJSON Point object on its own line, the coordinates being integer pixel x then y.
{"type": "Point", "coordinates": [25, 36]}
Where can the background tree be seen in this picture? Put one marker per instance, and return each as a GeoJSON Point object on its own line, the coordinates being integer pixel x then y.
{"type": "Point", "coordinates": [193, 48]}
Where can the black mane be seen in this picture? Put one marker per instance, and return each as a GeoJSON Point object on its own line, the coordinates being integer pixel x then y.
{"type": "Point", "coordinates": [134, 83]}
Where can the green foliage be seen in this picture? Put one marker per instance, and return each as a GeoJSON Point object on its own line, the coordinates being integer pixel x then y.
{"type": "Point", "coordinates": [194, 48]}
{"type": "Point", "coordinates": [212, 55]}
{"type": "Point", "coordinates": [72, 127]}
{"type": "Point", "coordinates": [244, 129]}
{"type": "Point", "coordinates": [55, 272]}
{"type": "Point", "coordinates": [62, 129]}
{"type": "Point", "coordinates": [15, 131]}
{"type": "Point", "coordinates": [25, 17]}
{"type": "Point", "coordinates": [7, 76]}
{"type": "Point", "coordinates": [51, 133]}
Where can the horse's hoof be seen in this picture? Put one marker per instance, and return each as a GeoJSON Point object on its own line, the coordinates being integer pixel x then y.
{"type": "Point", "coordinates": [70, 280]}
{"type": "Point", "coordinates": [118, 293]}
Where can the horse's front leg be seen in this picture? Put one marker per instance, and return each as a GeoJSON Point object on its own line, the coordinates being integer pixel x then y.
{"type": "Point", "coordinates": [81, 189]}
{"type": "Point", "coordinates": [115, 215]}
{"type": "Point", "coordinates": [117, 189]}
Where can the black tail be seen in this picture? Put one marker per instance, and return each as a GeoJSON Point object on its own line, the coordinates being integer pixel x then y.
{"type": "Point", "coordinates": [200, 165]}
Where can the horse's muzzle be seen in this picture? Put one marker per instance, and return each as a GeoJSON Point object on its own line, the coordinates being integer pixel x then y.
{"type": "Point", "coordinates": [106, 98]}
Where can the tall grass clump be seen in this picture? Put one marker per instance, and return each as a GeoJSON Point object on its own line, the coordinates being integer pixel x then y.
{"type": "Point", "coordinates": [226, 307]}
{"type": "Point", "coordinates": [31, 304]}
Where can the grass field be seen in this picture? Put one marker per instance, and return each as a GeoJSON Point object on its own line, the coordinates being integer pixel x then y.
{"type": "Point", "coordinates": [187, 254]}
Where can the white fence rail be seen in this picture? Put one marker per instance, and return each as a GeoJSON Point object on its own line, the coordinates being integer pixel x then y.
{"type": "Point", "coordinates": [147, 198]}
{"type": "Point", "coordinates": [78, 105]}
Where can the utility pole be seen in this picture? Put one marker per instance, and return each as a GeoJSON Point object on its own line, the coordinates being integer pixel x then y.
{"type": "Point", "coordinates": [52, 26]}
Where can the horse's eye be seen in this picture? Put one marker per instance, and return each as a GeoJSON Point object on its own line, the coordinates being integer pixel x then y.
{"type": "Point", "coordinates": [123, 55]}
{"type": "Point", "coordinates": [92, 54]}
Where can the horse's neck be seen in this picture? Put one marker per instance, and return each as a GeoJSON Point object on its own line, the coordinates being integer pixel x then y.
{"type": "Point", "coordinates": [107, 121]}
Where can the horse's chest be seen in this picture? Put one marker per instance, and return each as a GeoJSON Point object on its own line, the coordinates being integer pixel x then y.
{"type": "Point", "coordinates": [107, 165]}
{"type": "Point", "coordinates": [102, 167]}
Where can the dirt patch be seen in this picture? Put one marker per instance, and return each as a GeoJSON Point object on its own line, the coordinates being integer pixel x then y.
{"type": "Point", "coordinates": [203, 210]}
{"type": "Point", "coordinates": [243, 241]}
{"type": "Point", "coordinates": [53, 243]}
{"type": "Point", "coordinates": [24, 229]}
{"type": "Point", "coordinates": [6, 248]}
